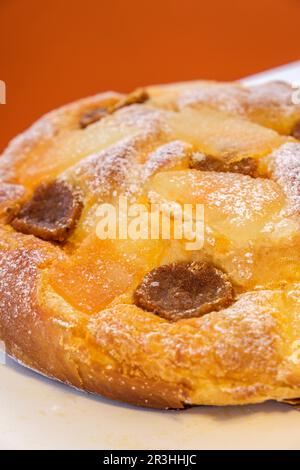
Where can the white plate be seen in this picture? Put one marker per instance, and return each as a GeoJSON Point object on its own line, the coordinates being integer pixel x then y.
{"type": "Point", "coordinates": [37, 413]}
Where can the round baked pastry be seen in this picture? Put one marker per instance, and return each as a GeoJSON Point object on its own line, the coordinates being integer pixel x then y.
{"type": "Point", "coordinates": [147, 321]}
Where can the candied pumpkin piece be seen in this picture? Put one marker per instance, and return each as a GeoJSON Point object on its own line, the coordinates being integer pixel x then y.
{"type": "Point", "coordinates": [101, 270]}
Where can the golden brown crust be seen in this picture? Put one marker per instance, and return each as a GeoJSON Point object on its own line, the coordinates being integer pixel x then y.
{"type": "Point", "coordinates": [68, 311]}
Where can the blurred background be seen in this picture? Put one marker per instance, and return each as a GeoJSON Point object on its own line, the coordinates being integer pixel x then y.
{"type": "Point", "coordinates": [55, 51]}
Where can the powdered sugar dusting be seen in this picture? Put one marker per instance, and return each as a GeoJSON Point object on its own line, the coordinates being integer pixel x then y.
{"type": "Point", "coordinates": [228, 98]}
{"type": "Point", "coordinates": [285, 169]}
{"type": "Point", "coordinates": [115, 168]}
{"type": "Point", "coordinates": [150, 121]}
{"type": "Point", "coordinates": [272, 94]}
{"type": "Point", "coordinates": [222, 344]}
{"type": "Point", "coordinates": [10, 192]}
{"type": "Point", "coordinates": [166, 156]}
{"type": "Point", "coordinates": [18, 270]}
{"type": "Point", "coordinates": [43, 130]}
{"type": "Point", "coordinates": [237, 99]}
{"type": "Point", "coordinates": [242, 198]}
{"type": "Point", "coordinates": [126, 165]}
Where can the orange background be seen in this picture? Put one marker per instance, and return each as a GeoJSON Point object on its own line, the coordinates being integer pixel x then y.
{"type": "Point", "coordinates": [54, 51]}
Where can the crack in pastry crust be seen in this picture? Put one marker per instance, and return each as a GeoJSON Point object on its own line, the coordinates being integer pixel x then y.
{"type": "Point", "coordinates": [68, 310]}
